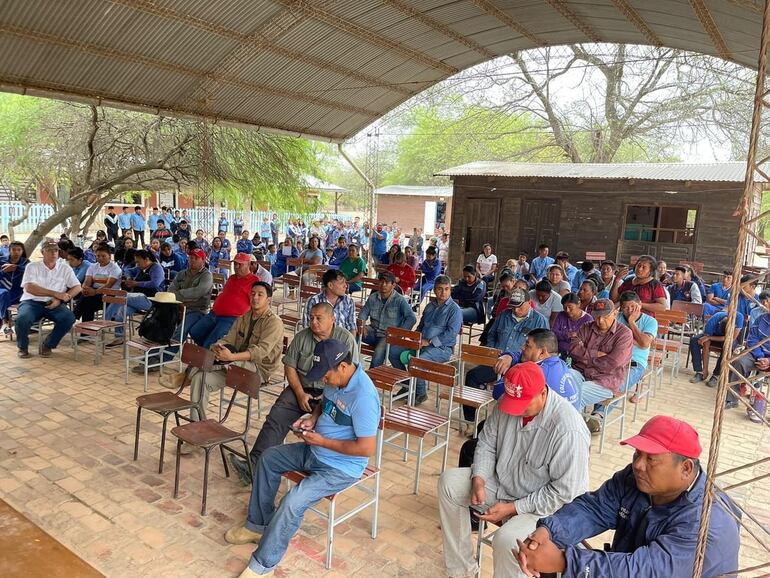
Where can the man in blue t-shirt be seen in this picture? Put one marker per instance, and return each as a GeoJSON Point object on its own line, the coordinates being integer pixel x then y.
{"type": "Point", "coordinates": [715, 327]}
{"type": "Point", "coordinates": [645, 330]}
{"type": "Point", "coordinates": [339, 436]}
{"type": "Point", "coordinates": [379, 244]}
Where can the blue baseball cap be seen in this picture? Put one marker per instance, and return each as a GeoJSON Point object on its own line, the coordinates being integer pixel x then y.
{"type": "Point", "coordinates": [327, 355]}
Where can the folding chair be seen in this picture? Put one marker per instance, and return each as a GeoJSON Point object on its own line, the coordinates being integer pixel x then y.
{"type": "Point", "coordinates": [408, 420]}
{"type": "Point", "coordinates": [209, 434]}
{"type": "Point", "coordinates": [167, 403]}
{"type": "Point", "coordinates": [149, 348]}
{"type": "Point", "coordinates": [292, 321]}
{"type": "Point", "coordinates": [673, 345]}
{"type": "Point", "coordinates": [476, 398]}
{"type": "Point", "coordinates": [368, 484]}
{"type": "Point", "coordinates": [94, 331]}
{"type": "Point", "coordinates": [386, 377]}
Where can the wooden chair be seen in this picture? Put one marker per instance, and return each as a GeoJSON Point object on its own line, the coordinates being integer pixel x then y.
{"type": "Point", "coordinates": [368, 484]}
{"type": "Point", "coordinates": [149, 348]}
{"type": "Point", "coordinates": [218, 283]}
{"type": "Point", "coordinates": [167, 403]}
{"type": "Point", "coordinates": [209, 434]}
{"type": "Point", "coordinates": [408, 420]}
{"type": "Point", "coordinates": [94, 331]}
{"type": "Point", "coordinates": [694, 311]}
{"type": "Point", "coordinates": [711, 344]}
{"type": "Point", "coordinates": [386, 377]}
{"type": "Point", "coordinates": [470, 396]}
{"type": "Point", "coordinates": [292, 321]}
{"type": "Point", "coordinates": [673, 346]}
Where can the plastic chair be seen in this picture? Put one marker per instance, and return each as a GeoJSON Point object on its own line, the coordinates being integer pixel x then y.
{"type": "Point", "coordinates": [209, 434]}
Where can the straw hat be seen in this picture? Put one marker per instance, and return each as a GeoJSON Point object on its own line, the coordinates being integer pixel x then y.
{"type": "Point", "coordinates": [164, 297]}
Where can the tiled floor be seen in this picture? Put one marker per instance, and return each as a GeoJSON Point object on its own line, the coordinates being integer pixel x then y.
{"type": "Point", "coordinates": [66, 440]}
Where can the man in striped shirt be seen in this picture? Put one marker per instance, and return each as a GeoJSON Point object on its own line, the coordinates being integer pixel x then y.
{"type": "Point", "coordinates": [334, 293]}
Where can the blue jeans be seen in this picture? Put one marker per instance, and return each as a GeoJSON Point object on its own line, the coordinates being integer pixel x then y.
{"type": "Point", "coordinates": [590, 392]}
{"type": "Point", "coordinates": [478, 377]}
{"type": "Point", "coordinates": [636, 373]}
{"type": "Point", "coordinates": [30, 312]}
{"type": "Point", "coordinates": [135, 302]}
{"type": "Point", "coordinates": [210, 328]}
{"type": "Point", "coordinates": [279, 525]}
{"type": "Point", "coordinates": [379, 348]}
{"type": "Point", "coordinates": [470, 315]}
{"type": "Point", "coordinates": [429, 353]}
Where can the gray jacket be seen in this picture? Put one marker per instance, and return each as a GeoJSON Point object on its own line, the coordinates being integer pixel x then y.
{"type": "Point", "coordinates": [539, 467]}
{"type": "Point", "coordinates": [194, 289]}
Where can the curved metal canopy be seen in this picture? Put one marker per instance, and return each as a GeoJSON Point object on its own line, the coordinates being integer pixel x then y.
{"type": "Point", "coordinates": [323, 69]}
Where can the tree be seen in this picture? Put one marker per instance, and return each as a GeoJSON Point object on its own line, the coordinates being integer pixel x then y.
{"type": "Point", "coordinates": [87, 156]}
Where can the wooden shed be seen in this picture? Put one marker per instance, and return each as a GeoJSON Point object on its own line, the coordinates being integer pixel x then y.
{"type": "Point", "coordinates": [674, 211]}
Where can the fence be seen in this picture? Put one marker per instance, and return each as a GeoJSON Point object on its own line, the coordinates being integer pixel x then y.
{"type": "Point", "coordinates": [198, 217]}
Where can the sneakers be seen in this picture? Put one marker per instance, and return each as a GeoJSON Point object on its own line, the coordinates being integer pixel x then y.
{"type": "Point", "coordinates": [249, 573]}
{"type": "Point", "coordinates": [140, 369]}
{"type": "Point", "coordinates": [713, 381]}
{"type": "Point", "coordinates": [420, 398]}
{"type": "Point", "coordinates": [45, 351]}
{"type": "Point", "coordinates": [595, 423]}
{"type": "Point", "coordinates": [697, 378]}
{"type": "Point", "coordinates": [241, 535]}
{"type": "Point", "coordinates": [402, 391]}
{"type": "Point", "coordinates": [115, 342]}
{"type": "Point", "coordinates": [23, 353]}
{"type": "Point", "coordinates": [241, 468]}
{"type": "Point", "coordinates": [759, 403]}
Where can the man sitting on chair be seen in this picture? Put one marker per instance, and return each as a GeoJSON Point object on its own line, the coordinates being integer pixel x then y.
{"type": "Point", "coordinates": [48, 286]}
{"type": "Point", "coordinates": [302, 395]}
{"type": "Point", "coordinates": [653, 505]}
{"type": "Point", "coordinates": [335, 293]}
{"type": "Point", "coordinates": [339, 436]}
{"type": "Point", "coordinates": [531, 459]}
{"type": "Point", "coordinates": [254, 342]}
{"type": "Point", "coordinates": [384, 308]}
{"type": "Point", "coordinates": [439, 325]}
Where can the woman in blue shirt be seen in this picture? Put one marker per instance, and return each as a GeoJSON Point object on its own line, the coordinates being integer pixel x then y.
{"type": "Point", "coordinates": [217, 252]}
{"type": "Point", "coordinates": [469, 295]}
{"type": "Point", "coordinates": [244, 244]}
{"type": "Point", "coordinates": [285, 251]}
{"type": "Point", "coordinates": [430, 269]}
{"type": "Point", "coordinates": [11, 274]}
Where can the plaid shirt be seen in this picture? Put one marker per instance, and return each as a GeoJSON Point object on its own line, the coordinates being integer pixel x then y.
{"type": "Point", "coordinates": [344, 311]}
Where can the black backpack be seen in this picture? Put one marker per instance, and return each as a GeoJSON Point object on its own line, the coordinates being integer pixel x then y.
{"type": "Point", "coordinates": [159, 324]}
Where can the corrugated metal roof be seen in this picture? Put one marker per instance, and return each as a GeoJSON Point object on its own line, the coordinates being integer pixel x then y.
{"type": "Point", "coordinates": [319, 69]}
{"type": "Point", "coordinates": [415, 191]}
{"type": "Point", "coordinates": [734, 172]}
{"type": "Point", "coordinates": [318, 185]}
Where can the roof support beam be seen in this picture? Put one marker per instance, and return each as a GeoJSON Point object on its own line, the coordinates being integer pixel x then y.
{"type": "Point", "coordinates": [711, 28]}
{"type": "Point", "coordinates": [264, 41]}
{"type": "Point", "coordinates": [562, 8]}
{"type": "Point", "coordinates": [372, 37]}
{"type": "Point", "coordinates": [489, 8]}
{"type": "Point", "coordinates": [434, 24]}
{"type": "Point", "coordinates": [204, 75]}
{"type": "Point", "coordinates": [634, 18]}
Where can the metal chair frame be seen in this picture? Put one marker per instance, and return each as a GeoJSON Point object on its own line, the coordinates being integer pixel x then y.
{"type": "Point", "coordinates": [476, 355]}
{"type": "Point", "coordinates": [94, 331]}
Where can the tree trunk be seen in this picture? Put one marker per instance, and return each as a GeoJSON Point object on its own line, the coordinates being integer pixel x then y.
{"type": "Point", "coordinates": [18, 221]}
{"type": "Point", "coordinates": [59, 217]}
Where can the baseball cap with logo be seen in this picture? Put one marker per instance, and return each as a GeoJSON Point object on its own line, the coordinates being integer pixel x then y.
{"type": "Point", "coordinates": [242, 258]}
{"type": "Point", "coordinates": [49, 246]}
{"type": "Point", "coordinates": [327, 355]}
{"type": "Point", "coordinates": [518, 297]}
{"type": "Point", "coordinates": [198, 253]}
{"type": "Point", "coordinates": [663, 434]}
{"type": "Point", "coordinates": [523, 383]}
{"type": "Point", "coordinates": [602, 307]}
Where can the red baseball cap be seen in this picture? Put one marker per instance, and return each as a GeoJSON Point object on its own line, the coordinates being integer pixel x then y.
{"type": "Point", "coordinates": [197, 253]}
{"type": "Point", "coordinates": [663, 434]}
{"type": "Point", "coordinates": [242, 258]}
{"type": "Point", "coordinates": [523, 383]}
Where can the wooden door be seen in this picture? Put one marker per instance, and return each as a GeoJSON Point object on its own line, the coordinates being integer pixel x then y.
{"type": "Point", "coordinates": [482, 218]}
{"type": "Point", "coordinates": [539, 224]}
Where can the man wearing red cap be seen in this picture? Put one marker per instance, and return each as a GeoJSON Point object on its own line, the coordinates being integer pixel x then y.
{"type": "Point", "coordinates": [231, 303]}
{"type": "Point", "coordinates": [531, 459]}
{"type": "Point", "coordinates": [654, 505]}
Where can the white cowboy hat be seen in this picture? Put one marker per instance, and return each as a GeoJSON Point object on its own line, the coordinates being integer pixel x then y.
{"type": "Point", "coordinates": [164, 297]}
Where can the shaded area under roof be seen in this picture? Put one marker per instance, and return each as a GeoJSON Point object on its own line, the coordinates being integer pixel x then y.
{"type": "Point", "coordinates": [696, 172]}
{"type": "Point", "coordinates": [320, 69]}
{"type": "Point", "coordinates": [415, 191]}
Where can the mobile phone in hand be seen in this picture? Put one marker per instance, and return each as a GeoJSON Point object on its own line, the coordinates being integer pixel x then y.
{"type": "Point", "coordinates": [479, 509]}
{"type": "Point", "coordinates": [299, 430]}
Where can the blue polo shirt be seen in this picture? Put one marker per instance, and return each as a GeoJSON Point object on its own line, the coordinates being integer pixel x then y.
{"type": "Point", "coordinates": [124, 220]}
{"type": "Point", "coordinates": [137, 222]}
{"type": "Point", "coordinates": [152, 221]}
{"type": "Point", "coordinates": [379, 246]}
{"type": "Point", "coordinates": [348, 413]}
{"type": "Point", "coordinates": [648, 325]}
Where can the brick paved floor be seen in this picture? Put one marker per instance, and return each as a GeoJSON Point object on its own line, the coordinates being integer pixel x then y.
{"type": "Point", "coordinates": [66, 438]}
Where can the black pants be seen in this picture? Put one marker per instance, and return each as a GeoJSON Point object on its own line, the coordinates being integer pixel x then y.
{"type": "Point", "coordinates": [139, 239]}
{"type": "Point", "coordinates": [468, 449]}
{"type": "Point", "coordinates": [86, 307]}
{"type": "Point", "coordinates": [285, 411]}
{"type": "Point", "coordinates": [477, 377]}
{"type": "Point", "coordinates": [112, 234]}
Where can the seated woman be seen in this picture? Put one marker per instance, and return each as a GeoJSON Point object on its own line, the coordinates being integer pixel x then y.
{"type": "Point", "coordinates": [171, 261]}
{"type": "Point", "coordinates": [469, 294]}
{"type": "Point", "coordinates": [311, 256]}
{"type": "Point", "coordinates": [285, 252]}
{"type": "Point", "coordinates": [387, 258]}
{"type": "Point", "coordinates": [411, 259]}
{"type": "Point", "coordinates": [430, 269]}
{"type": "Point", "coordinates": [499, 302]}
{"type": "Point", "coordinates": [217, 251]}
{"type": "Point", "coordinates": [557, 280]}
{"type": "Point", "coordinates": [567, 322]}
{"type": "Point", "coordinates": [76, 259]}
{"type": "Point", "coordinates": [11, 274]}
{"type": "Point", "coordinates": [587, 295]}
{"type": "Point", "coordinates": [405, 276]}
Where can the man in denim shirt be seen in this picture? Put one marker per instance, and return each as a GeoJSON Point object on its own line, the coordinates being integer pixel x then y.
{"type": "Point", "coordinates": [440, 325]}
{"type": "Point", "coordinates": [508, 333]}
{"type": "Point", "coordinates": [385, 308]}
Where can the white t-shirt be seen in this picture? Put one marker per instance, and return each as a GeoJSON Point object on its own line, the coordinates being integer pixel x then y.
{"type": "Point", "coordinates": [59, 279]}
{"type": "Point", "coordinates": [100, 273]}
{"type": "Point", "coordinates": [485, 263]}
{"type": "Point", "coordinates": [553, 305]}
